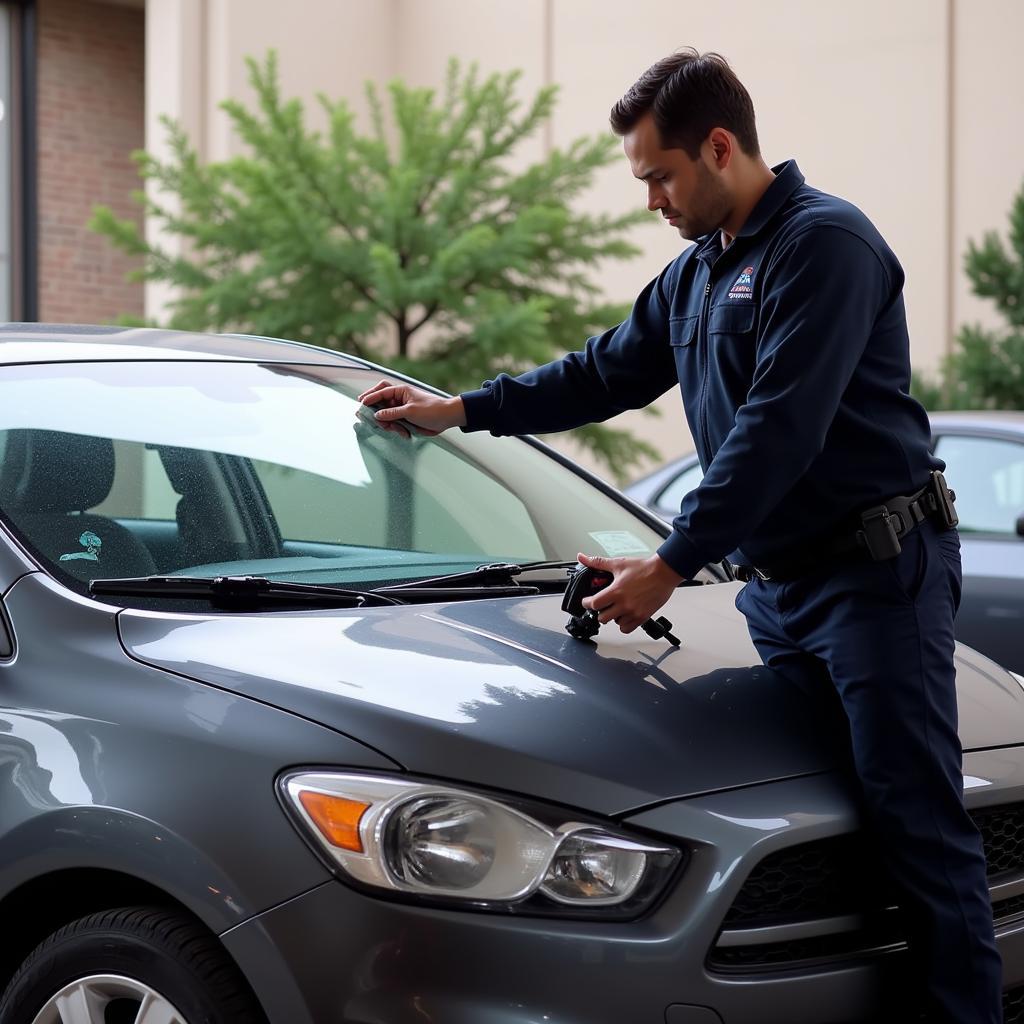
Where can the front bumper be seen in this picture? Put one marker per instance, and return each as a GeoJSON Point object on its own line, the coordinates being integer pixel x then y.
{"type": "Point", "coordinates": [336, 956]}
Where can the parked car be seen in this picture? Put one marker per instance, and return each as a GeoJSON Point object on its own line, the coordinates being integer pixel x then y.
{"type": "Point", "coordinates": [292, 731]}
{"type": "Point", "coordinates": [984, 455]}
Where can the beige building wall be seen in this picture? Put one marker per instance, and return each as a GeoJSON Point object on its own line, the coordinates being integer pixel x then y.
{"type": "Point", "coordinates": [499, 35]}
{"type": "Point", "coordinates": [988, 158]}
{"type": "Point", "coordinates": [903, 108]}
{"type": "Point", "coordinates": [328, 46]}
{"type": "Point", "coordinates": [196, 52]}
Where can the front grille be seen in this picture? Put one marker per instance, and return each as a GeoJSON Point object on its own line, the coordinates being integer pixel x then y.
{"type": "Point", "coordinates": [820, 879]}
{"type": "Point", "coordinates": [1002, 831]}
{"type": "Point", "coordinates": [840, 876]}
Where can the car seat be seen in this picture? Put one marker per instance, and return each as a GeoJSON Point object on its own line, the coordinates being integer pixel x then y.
{"type": "Point", "coordinates": [48, 478]}
{"type": "Point", "coordinates": [206, 534]}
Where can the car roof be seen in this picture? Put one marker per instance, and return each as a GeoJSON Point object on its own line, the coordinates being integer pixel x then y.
{"type": "Point", "coordinates": [1000, 420]}
{"type": "Point", "coordinates": [64, 343]}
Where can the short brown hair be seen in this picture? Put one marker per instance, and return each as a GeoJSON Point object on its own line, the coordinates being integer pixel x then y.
{"type": "Point", "coordinates": [689, 93]}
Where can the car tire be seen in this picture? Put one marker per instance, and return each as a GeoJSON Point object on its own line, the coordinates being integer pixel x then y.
{"type": "Point", "coordinates": [102, 969]}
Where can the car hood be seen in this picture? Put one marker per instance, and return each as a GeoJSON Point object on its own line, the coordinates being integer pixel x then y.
{"type": "Point", "coordinates": [496, 693]}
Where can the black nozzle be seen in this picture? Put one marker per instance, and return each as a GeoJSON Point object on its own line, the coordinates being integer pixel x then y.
{"type": "Point", "coordinates": [661, 627]}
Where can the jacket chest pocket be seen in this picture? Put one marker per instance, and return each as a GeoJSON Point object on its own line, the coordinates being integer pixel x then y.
{"type": "Point", "coordinates": [682, 330]}
{"type": "Point", "coordinates": [732, 344]}
{"type": "Point", "coordinates": [732, 320]}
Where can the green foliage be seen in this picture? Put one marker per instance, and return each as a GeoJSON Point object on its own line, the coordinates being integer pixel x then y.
{"type": "Point", "coordinates": [986, 368]}
{"type": "Point", "coordinates": [414, 245]}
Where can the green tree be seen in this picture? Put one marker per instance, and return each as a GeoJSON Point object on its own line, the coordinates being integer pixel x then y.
{"type": "Point", "coordinates": [414, 245]}
{"type": "Point", "coordinates": [986, 368]}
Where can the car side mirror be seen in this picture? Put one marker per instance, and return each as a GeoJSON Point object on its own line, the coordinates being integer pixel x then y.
{"type": "Point", "coordinates": [1020, 525]}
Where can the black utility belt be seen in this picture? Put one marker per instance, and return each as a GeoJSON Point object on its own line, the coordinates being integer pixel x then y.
{"type": "Point", "coordinates": [877, 539]}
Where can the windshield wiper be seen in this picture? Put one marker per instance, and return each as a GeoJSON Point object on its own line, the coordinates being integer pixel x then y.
{"type": "Point", "coordinates": [241, 591]}
{"type": "Point", "coordinates": [495, 575]}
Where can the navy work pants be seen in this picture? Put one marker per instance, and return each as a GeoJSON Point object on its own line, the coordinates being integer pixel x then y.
{"type": "Point", "coordinates": [879, 637]}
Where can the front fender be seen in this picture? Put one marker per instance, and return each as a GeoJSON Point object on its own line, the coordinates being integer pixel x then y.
{"type": "Point", "coordinates": [108, 839]}
{"type": "Point", "coordinates": [109, 763]}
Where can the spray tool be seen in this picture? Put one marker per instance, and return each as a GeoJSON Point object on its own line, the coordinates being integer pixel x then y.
{"type": "Point", "coordinates": [583, 622]}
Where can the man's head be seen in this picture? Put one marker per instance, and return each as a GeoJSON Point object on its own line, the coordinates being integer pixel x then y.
{"type": "Point", "coordinates": [688, 130]}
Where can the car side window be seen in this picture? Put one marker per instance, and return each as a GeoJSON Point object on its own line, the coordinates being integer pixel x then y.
{"type": "Point", "coordinates": [310, 507]}
{"type": "Point", "coordinates": [672, 496]}
{"type": "Point", "coordinates": [987, 474]}
{"type": "Point", "coordinates": [141, 488]}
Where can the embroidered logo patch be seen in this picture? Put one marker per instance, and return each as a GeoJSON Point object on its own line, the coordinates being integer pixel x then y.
{"type": "Point", "coordinates": [91, 543]}
{"type": "Point", "coordinates": [743, 287]}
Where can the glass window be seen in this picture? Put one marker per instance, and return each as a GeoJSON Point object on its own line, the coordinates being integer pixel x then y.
{"type": "Point", "coordinates": [311, 507]}
{"type": "Point", "coordinates": [439, 487]}
{"type": "Point", "coordinates": [987, 474]}
{"type": "Point", "coordinates": [272, 470]}
{"type": "Point", "coordinates": [141, 488]}
{"type": "Point", "coordinates": [672, 496]}
{"type": "Point", "coordinates": [88, 502]}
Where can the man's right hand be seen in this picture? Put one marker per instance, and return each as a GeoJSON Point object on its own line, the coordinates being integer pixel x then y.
{"type": "Point", "coordinates": [428, 414]}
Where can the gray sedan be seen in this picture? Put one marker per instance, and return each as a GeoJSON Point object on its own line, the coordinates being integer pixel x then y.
{"type": "Point", "coordinates": [292, 731]}
{"type": "Point", "coordinates": [984, 456]}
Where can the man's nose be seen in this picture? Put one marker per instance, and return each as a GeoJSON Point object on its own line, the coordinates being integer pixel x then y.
{"type": "Point", "coordinates": [655, 198]}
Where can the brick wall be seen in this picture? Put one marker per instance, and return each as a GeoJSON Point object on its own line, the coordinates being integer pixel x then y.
{"type": "Point", "coordinates": [91, 115]}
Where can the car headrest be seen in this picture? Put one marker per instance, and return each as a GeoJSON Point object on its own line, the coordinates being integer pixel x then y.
{"type": "Point", "coordinates": [52, 471]}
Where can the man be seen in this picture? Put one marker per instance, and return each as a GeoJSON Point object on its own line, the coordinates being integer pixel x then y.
{"type": "Point", "coordinates": [785, 328]}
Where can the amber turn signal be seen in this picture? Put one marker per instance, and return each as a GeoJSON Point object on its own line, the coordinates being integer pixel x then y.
{"type": "Point", "coordinates": [337, 818]}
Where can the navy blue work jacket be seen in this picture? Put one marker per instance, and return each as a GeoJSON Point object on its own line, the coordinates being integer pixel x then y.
{"type": "Point", "coordinates": [791, 351]}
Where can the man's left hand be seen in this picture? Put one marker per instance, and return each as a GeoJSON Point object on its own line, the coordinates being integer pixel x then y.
{"type": "Point", "coordinates": [639, 588]}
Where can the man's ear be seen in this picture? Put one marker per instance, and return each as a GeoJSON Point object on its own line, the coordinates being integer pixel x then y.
{"type": "Point", "coordinates": [721, 146]}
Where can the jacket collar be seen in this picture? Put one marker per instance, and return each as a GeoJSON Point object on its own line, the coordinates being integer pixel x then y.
{"type": "Point", "coordinates": [787, 180]}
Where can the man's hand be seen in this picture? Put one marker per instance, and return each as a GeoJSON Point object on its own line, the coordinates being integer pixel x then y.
{"type": "Point", "coordinates": [640, 587]}
{"type": "Point", "coordinates": [429, 414]}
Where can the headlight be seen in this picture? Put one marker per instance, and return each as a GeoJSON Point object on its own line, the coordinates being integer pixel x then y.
{"type": "Point", "coordinates": [596, 867]}
{"type": "Point", "coordinates": [431, 841]}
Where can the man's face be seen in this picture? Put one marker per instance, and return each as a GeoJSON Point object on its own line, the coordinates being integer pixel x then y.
{"type": "Point", "coordinates": [689, 194]}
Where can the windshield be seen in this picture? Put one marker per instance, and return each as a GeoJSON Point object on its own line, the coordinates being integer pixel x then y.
{"type": "Point", "coordinates": [114, 470]}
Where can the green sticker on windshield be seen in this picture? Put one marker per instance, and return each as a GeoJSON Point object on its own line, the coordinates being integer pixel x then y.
{"type": "Point", "coordinates": [620, 542]}
{"type": "Point", "coordinates": [92, 543]}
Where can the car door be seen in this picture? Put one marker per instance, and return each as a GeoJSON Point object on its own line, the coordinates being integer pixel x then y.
{"type": "Point", "coordinates": [987, 473]}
